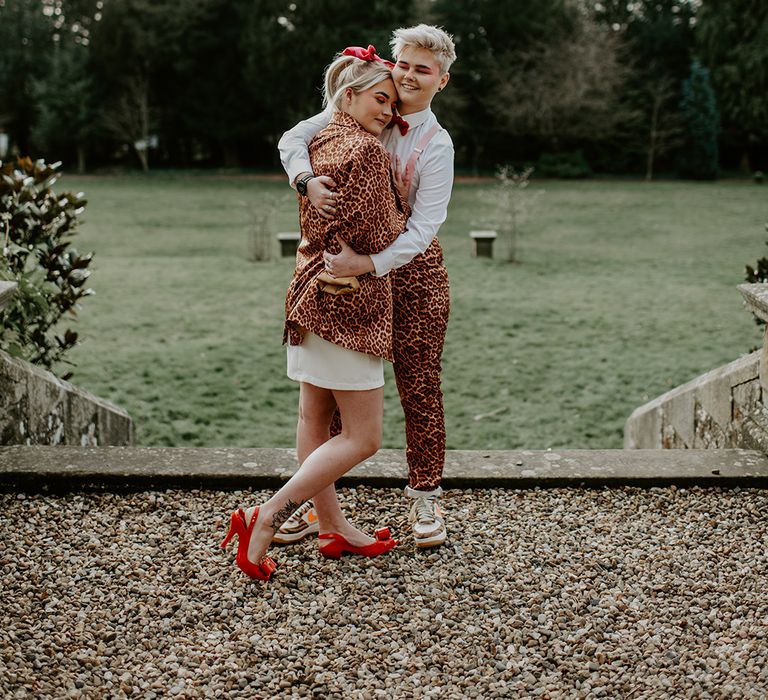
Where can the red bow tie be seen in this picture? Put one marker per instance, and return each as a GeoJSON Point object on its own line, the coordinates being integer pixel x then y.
{"type": "Point", "coordinates": [401, 124]}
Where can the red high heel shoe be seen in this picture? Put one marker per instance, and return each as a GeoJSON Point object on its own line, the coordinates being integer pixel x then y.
{"type": "Point", "coordinates": [238, 526]}
{"type": "Point", "coordinates": [338, 545]}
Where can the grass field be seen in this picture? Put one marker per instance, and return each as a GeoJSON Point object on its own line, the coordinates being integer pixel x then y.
{"type": "Point", "coordinates": [623, 291]}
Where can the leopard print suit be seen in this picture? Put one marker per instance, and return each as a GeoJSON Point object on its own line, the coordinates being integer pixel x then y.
{"type": "Point", "coordinates": [421, 304]}
{"type": "Point", "coordinates": [370, 214]}
{"type": "Point", "coordinates": [421, 300]}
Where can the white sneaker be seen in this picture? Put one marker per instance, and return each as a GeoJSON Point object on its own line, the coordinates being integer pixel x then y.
{"type": "Point", "coordinates": [426, 518]}
{"type": "Point", "coordinates": [301, 524]}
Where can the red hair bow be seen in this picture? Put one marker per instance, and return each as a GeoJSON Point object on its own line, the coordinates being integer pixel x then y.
{"type": "Point", "coordinates": [368, 54]}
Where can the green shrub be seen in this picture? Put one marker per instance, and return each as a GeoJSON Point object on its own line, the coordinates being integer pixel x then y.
{"type": "Point", "coordinates": [759, 273]}
{"type": "Point", "coordinates": [568, 166]}
{"type": "Point", "coordinates": [35, 227]}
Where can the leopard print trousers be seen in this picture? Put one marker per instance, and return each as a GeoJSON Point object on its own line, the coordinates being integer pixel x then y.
{"type": "Point", "coordinates": [421, 300]}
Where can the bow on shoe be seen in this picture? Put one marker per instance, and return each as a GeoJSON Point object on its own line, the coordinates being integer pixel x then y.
{"type": "Point", "coordinates": [368, 54]}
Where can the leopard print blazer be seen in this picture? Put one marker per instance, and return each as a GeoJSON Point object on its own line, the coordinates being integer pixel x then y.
{"type": "Point", "coordinates": [370, 214]}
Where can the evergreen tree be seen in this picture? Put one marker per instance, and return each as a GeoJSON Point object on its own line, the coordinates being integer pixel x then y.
{"type": "Point", "coordinates": [286, 47]}
{"type": "Point", "coordinates": [732, 36]}
{"type": "Point", "coordinates": [26, 47]}
{"type": "Point", "coordinates": [702, 124]}
{"type": "Point", "coordinates": [491, 37]}
{"type": "Point", "coordinates": [658, 36]}
{"type": "Point", "coordinates": [64, 105]}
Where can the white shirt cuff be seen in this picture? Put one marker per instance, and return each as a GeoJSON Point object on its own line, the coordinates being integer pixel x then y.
{"type": "Point", "coordinates": [382, 263]}
{"type": "Point", "coordinates": [296, 168]}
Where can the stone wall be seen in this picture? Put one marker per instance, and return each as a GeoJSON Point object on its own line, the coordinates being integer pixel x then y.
{"type": "Point", "coordinates": [705, 413]}
{"type": "Point", "coordinates": [727, 407]}
{"type": "Point", "coordinates": [38, 408]}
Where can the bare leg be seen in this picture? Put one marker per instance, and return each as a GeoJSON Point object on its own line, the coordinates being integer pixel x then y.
{"type": "Point", "coordinates": [312, 430]}
{"type": "Point", "coordinates": [326, 502]}
{"type": "Point", "coordinates": [332, 519]}
{"type": "Point", "coordinates": [362, 415]}
{"type": "Point", "coordinates": [316, 408]}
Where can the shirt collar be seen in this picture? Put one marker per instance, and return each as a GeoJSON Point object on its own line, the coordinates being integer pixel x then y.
{"type": "Point", "coordinates": [343, 119]}
{"type": "Point", "coordinates": [417, 118]}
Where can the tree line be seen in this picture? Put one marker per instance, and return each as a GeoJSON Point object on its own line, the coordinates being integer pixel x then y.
{"type": "Point", "coordinates": [572, 86]}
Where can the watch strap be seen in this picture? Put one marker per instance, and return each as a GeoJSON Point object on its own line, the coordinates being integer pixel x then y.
{"type": "Point", "coordinates": [301, 184]}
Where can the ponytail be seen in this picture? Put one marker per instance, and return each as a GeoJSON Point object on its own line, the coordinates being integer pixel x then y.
{"type": "Point", "coordinates": [350, 72]}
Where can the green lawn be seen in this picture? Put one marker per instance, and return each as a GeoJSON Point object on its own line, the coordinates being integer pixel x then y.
{"type": "Point", "coordinates": [624, 290]}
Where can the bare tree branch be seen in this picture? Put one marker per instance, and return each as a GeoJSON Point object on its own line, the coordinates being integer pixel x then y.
{"type": "Point", "coordinates": [569, 88]}
{"type": "Point", "coordinates": [127, 118]}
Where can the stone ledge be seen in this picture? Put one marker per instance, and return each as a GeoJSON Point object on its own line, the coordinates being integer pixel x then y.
{"type": "Point", "coordinates": [38, 408]}
{"type": "Point", "coordinates": [712, 392]}
{"type": "Point", "coordinates": [741, 370]}
{"type": "Point", "coordinates": [69, 468]}
{"type": "Point", "coordinates": [756, 298]}
{"type": "Point", "coordinates": [753, 433]}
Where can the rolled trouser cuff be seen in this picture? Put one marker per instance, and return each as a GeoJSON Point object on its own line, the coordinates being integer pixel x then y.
{"type": "Point", "coordinates": [416, 493]}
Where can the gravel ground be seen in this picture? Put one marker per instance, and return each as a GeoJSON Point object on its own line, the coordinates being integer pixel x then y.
{"type": "Point", "coordinates": [563, 593]}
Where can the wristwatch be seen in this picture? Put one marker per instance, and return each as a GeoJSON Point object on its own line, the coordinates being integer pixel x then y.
{"type": "Point", "coordinates": [301, 185]}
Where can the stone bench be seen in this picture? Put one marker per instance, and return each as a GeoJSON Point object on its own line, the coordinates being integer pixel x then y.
{"type": "Point", "coordinates": [482, 243]}
{"type": "Point", "coordinates": [289, 243]}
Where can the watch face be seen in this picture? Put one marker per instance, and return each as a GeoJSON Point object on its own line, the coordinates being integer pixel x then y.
{"type": "Point", "coordinates": [301, 187]}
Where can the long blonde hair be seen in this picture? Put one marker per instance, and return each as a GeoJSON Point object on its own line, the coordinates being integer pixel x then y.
{"type": "Point", "coordinates": [350, 72]}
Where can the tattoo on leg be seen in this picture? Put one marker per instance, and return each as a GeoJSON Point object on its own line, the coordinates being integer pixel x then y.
{"type": "Point", "coordinates": [284, 513]}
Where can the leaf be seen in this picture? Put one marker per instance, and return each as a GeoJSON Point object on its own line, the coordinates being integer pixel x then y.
{"type": "Point", "coordinates": [15, 350]}
{"type": "Point", "coordinates": [83, 261]}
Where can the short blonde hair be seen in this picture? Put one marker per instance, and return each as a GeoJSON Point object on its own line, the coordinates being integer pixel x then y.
{"type": "Point", "coordinates": [425, 36]}
{"type": "Point", "coordinates": [350, 72]}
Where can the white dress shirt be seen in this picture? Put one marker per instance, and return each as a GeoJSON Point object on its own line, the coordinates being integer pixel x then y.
{"type": "Point", "coordinates": [430, 189]}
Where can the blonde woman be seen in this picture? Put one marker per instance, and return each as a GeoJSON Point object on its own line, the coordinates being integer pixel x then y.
{"type": "Point", "coordinates": [337, 342]}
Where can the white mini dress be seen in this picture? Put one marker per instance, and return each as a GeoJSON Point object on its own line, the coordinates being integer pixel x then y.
{"type": "Point", "coordinates": [330, 366]}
